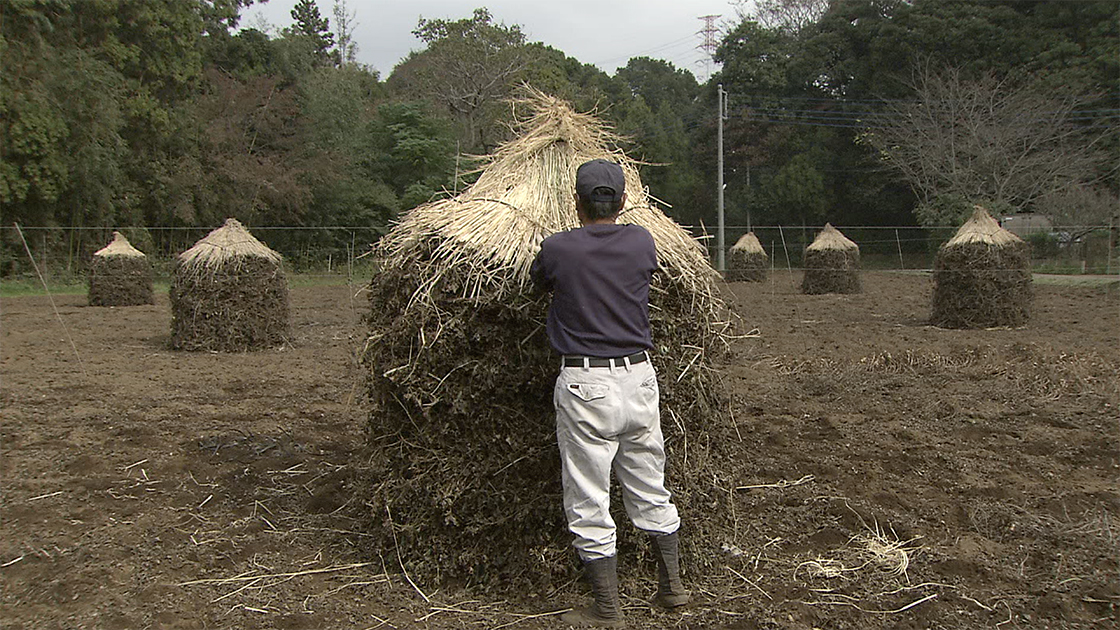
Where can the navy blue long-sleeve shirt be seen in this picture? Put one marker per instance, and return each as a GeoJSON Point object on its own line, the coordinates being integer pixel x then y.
{"type": "Point", "coordinates": [599, 277]}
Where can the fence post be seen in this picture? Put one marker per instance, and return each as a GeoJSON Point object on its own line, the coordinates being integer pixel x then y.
{"type": "Point", "coordinates": [1108, 261]}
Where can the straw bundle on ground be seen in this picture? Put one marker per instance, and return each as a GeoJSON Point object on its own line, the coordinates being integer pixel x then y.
{"type": "Point", "coordinates": [831, 264]}
{"type": "Point", "coordinates": [120, 275]}
{"type": "Point", "coordinates": [463, 471]}
{"type": "Point", "coordinates": [229, 293]}
{"type": "Point", "coordinates": [747, 261]}
{"type": "Point", "coordinates": [982, 277]}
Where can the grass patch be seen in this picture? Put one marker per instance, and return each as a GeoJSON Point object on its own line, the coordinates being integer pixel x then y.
{"type": "Point", "coordinates": [17, 286]}
{"type": "Point", "coordinates": [20, 285]}
{"type": "Point", "coordinates": [1076, 280]}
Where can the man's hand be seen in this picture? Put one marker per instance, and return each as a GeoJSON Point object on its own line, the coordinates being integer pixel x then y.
{"type": "Point", "coordinates": [535, 243]}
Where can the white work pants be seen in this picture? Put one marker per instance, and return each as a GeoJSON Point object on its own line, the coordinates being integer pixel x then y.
{"type": "Point", "coordinates": [608, 417]}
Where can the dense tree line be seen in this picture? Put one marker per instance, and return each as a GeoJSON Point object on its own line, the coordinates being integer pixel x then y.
{"type": "Point", "coordinates": [164, 113]}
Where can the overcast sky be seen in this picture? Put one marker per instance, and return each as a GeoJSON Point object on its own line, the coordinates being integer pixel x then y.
{"type": "Point", "coordinates": [606, 33]}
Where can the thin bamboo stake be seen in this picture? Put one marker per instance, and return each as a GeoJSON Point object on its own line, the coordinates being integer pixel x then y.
{"type": "Point", "coordinates": [51, 298]}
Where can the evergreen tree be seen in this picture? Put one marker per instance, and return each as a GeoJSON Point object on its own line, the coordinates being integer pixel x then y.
{"type": "Point", "coordinates": [316, 28]}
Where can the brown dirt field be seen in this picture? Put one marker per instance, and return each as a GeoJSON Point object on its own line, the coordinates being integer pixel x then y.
{"type": "Point", "coordinates": [981, 466]}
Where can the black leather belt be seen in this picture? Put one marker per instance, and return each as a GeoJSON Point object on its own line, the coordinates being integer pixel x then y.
{"type": "Point", "coordinates": [577, 361]}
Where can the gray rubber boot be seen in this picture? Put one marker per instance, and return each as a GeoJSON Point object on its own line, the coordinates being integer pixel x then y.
{"type": "Point", "coordinates": [670, 591]}
{"type": "Point", "coordinates": [605, 610]}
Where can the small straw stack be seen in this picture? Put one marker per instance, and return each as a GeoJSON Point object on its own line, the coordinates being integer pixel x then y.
{"type": "Point", "coordinates": [747, 261]}
{"type": "Point", "coordinates": [120, 275]}
{"type": "Point", "coordinates": [229, 293]}
{"type": "Point", "coordinates": [831, 264]}
{"type": "Point", "coordinates": [982, 277]}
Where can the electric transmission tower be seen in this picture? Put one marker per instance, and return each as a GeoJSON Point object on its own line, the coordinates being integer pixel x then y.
{"type": "Point", "coordinates": [710, 34]}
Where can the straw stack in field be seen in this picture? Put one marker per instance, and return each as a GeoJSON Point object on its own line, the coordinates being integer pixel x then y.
{"type": "Point", "coordinates": [982, 277]}
{"type": "Point", "coordinates": [831, 264]}
{"type": "Point", "coordinates": [120, 275]}
{"type": "Point", "coordinates": [747, 261]}
{"type": "Point", "coordinates": [463, 473]}
{"type": "Point", "coordinates": [229, 293]}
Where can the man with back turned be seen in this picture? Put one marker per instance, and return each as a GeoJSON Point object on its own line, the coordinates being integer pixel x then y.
{"type": "Point", "coordinates": [606, 396]}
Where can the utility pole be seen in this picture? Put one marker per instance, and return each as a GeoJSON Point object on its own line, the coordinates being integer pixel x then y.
{"type": "Point", "coordinates": [721, 98]}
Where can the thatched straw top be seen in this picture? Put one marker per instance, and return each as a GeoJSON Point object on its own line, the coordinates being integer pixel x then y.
{"type": "Point", "coordinates": [525, 192]}
{"type": "Point", "coordinates": [228, 242]}
{"type": "Point", "coordinates": [749, 243]}
{"type": "Point", "coordinates": [982, 228]}
{"type": "Point", "coordinates": [831, 238]}
{"type": "Point", "coordinates": [119, 247]}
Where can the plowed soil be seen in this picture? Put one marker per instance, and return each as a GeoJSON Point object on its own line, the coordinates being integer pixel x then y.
{"type": "Point", "coordinates": [893, 474]}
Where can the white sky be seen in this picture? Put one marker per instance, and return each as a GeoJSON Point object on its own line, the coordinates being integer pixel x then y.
{"type": "Point", "coordinates": [606, 33]}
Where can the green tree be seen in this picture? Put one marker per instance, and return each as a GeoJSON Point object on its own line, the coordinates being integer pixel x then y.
{"type": "Point", "coordinates": [796, 193]}
{"type": "Point", "coordinates": [820, 80]}
{"type": "Point", "coordinates": [469, 68]}
{"type": "Point", "coordinates": [413, 152]}
{"type": "Point", "coordinates": [655, 101]}
{"type": "Point", "coordinates": [310, 24]}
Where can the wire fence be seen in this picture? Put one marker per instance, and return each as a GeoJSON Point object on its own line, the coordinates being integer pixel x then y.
{"type": "Point", "coordinates": [1074, 249]}
{"type": "Point", "coordinates": [65, 252]}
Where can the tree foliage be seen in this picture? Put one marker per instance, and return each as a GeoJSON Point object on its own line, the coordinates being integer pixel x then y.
{"type": "Point", "coordinates": [470, 67]}
{"type": "Point", "coordinates": [314, 27]}
{"type": "Point", "coordinates": [164, 113]}
{"type": "Point", "coordinates": [801, 73]}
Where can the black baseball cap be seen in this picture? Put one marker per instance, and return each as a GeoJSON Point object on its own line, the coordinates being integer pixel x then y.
{"type": "Point", "coordinates": [598, 174]}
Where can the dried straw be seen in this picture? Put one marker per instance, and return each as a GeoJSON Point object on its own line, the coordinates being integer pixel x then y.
{"type": "Point", "coordinates": [747, 261]}
{"type": "Point", "coordinates": [231, 241]}
{"type": "Point", "coordinates": [119, 247]}
{"type": "Point", "coordinates": [982, 277]}
{"type": "Point", "coordinates": [229, 293]}
{"type": "Point", "coordinates": [525, 192]}
{"type": "Point", "coordinates": [982, 228]}
{"type": "Point", "coordinates": [119, 275]}
{"type": "Point", "coordinates": [831, 264]}
{"type": "Point", "coordinates": [831, 238]}
{"type": "Point", "coordinates": [749, 243]}
{"type": "Point", "coordinates": [457, 357]}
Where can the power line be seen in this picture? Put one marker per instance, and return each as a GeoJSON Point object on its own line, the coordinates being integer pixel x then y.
{"type": "Point", "coordinates": [648, 51]}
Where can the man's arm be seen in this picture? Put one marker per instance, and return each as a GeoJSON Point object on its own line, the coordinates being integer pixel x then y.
{"type": "Point", "coordinates": [538, 272]}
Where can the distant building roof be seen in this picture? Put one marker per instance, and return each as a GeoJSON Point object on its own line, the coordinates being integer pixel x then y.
{"type": "Point", "coordinates": [1023, 224]}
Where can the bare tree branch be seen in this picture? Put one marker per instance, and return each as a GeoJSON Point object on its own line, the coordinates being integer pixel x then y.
{"type": "Point", "coordinates": [986, 139]}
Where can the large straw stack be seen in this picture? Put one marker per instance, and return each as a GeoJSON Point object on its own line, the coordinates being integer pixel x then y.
{"type": "Point", "coordinates": [229, 293]}
{"type": "Point", "coordinates": [831, 264]}
{"type": "Point", "coordinates": [982, 277]}
{"type": "Point", "coordinates": [747, 261]}
{"type": "Point", "coordinates": [463, 474]}
{"type": "Point", "coordinates": [120, 275]}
